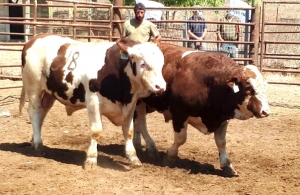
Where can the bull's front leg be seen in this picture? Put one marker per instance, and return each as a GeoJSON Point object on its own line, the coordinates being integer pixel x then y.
{"type": "Point", "coordinates": [127, 129]}
{"type": "Point", "coordinates": [220, 139]}
{"type": "Point", "coordinates": [140, 127]}
{"type": "Point", "coordinates": [179, 139]}
{"type": "Point", "coordinates": [92, 102]}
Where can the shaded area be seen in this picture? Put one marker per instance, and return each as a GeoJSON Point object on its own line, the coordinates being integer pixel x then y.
{"type": "Point", "coordinates": [193, 167]}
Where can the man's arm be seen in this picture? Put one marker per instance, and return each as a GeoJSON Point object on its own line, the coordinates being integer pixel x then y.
{"type": "Point", "coordinates": [204, 33]}
{"type": "Point", "coordinates": [155, 33]}
{"type": "Point", "coordinates": [157, 38]}
{"type": "Point", "coordinates": [238, 31]}
{"type": "Point", "coordinates": [192, 35]}
{"type": "Point", "coordinates": [219, 36]}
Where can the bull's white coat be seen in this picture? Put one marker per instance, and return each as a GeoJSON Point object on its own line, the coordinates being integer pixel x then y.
{"type": "Point", "coordinates": [189, 52]}
{"type": "Point", "coordinates": [84, 60]}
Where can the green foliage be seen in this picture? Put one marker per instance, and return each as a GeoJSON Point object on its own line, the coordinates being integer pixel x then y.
{"type": "Point", "coordinates": [189, 3]}
{"type": "Point", "coordinates": [186, 3]}
{"type": "Point", "coordinates": [256, 2]}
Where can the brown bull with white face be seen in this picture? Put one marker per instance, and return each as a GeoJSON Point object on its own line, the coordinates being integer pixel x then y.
{"type": "Point", "coordinates": [106, 78]}
{"type": "Point", "coordinates": [204, 90]}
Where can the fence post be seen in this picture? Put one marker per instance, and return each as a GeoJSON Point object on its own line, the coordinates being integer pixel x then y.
{"type": "Point", "coordinates": [254, 36]}
{"type": "Point", "coordinates": [27, 16]}
{"type": "Point", "coordinates": [185, 17]}
{"type": "Point", "coordinates": [34, 17]}
{"type": "Point", "coordinates": [74, 19]}
{"type": "Point", "coordinates": [117, 16]}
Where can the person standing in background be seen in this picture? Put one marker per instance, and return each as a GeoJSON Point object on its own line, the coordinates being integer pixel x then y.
{"type": "Point", "coordinates": [138, 29]}
{"type": "Point", "coordinates": [229, 32]}
{"type": "Point", "coordinates": [197, 31]}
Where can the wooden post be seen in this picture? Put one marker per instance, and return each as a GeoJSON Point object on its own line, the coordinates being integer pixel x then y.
{"type": "Point", "coordinates": [117, 27]}
{"type": "Point", "coordinates": [74, 19]}
{"type": "Point", "coordinates": [254, 36]}
{"type": "Point", "coordinates": [34, 17]}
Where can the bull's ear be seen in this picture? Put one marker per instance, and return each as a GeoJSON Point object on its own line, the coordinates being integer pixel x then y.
{"type": "Point", "coordinates": [124, 48]}
{"type": "Point", "coordinates": [233, 83]}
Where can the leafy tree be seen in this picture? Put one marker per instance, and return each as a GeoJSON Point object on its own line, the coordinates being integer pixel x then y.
{"type": "Point", "coordinates": [256, 2]}
{"type": "Point", "coordinates": [187, 3]}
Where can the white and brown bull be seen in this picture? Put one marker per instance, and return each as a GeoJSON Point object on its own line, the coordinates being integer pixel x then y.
{"type": "Point", "coordinates": [106, 78]}
{"type": "Point", "coordinates": [205, 90]}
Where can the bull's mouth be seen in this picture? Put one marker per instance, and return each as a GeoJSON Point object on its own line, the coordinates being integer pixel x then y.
{"type": "Point", "coordinates": [263, 114]}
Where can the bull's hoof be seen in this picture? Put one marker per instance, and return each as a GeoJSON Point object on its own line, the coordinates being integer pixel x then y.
{"type": "Point", "coordinates": [90, 163]}
{"type": "Point", "coordinates": [152, 154]}
{"type": "Point", "coordinates": [168, 161]}
{"type": "Point", "coordinates": [38, 148]}
{"type": "Point", "coordinates": [135, 162]}
{"type": "Point", "coordinates": [139, 150]}
{"type": "Point", "coordinates": [229, 172]}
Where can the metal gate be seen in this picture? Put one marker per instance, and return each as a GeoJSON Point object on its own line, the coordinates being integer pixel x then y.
{"type": "Point", "coordinates": [85, 21]}
{"type": "Point", "coordinates": [280, 39]}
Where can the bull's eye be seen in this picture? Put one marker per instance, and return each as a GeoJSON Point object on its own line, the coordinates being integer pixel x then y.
{"type": "Point", "coordinates": [145, 66]}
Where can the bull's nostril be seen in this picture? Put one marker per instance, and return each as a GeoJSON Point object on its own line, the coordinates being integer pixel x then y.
{"type": "Point", "coordinates": [265, 113]}
{"type": "Point", "coordinates": [157, 87]}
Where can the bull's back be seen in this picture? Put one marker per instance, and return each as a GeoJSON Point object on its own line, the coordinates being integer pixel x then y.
{"type": "Point", "coordinates": [38, 54]}
{"type": "Point", "coordinates": [173, 54]}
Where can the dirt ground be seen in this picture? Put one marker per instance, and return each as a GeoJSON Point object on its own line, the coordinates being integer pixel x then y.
{"type": "Point", "coordinates": [265, 153]}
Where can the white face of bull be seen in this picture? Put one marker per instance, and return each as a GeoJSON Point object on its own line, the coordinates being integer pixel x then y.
{"type": "Point", "coordinates": [256, 104]}
{"type": "Point", "coordinates": [148, 61]}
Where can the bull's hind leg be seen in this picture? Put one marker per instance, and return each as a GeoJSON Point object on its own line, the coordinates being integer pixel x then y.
{"type": "Point", "coordinates": [220, 139]}
{"type": "Point", "coordinates": [39, 105]}
{"type": "Point", "coordinates": [140, 127]}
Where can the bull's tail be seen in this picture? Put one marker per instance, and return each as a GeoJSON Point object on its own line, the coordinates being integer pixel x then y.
{"type": "Point", "coordinates": [22, 100]}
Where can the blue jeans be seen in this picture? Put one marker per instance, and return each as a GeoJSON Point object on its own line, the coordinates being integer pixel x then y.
{"type": "Point", "coordinates": [231, 48]}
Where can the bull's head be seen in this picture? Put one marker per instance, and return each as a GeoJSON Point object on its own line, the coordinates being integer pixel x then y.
{"type": "Point", "coordinates": [256, 103]}
{"type": "Point", "coordinates": [146, 62]}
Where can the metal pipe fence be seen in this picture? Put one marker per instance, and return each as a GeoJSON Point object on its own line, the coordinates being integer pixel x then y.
{"type": "Point", "coordinates": [88, 21]}
{"type": "Point", "coordinates": [280, 38]}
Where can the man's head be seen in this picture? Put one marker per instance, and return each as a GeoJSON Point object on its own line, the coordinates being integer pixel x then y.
{"type": "Point", "coordinates": [197, 12]}
{"type": "Point", "coordinates": [230, 14]}
{"type": "Point", "coordinates": [139, 11]}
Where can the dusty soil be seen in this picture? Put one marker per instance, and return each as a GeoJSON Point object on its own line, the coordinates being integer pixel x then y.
{"type": "Point", "coordinates": [265, 152]}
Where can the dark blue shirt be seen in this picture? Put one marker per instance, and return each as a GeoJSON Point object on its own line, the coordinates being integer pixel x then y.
{"type": "Point", "coordinates": [197, 28]}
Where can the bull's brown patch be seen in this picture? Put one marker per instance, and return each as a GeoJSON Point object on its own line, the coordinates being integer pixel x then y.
{"type": "Point", "coordinates": [69, 77]}
{"type": "Point", "coordinates": [60, 60]}
{"type": "Point", "coordinates": [112, 81]}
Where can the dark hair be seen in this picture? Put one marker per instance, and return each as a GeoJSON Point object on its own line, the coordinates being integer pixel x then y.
{"type": "Point", "coordinates": [139, 6]}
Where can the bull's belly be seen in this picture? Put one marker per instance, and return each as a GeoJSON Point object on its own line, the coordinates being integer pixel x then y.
{"type": "Point", "coordinates": [70, 103]}
{"type": "Point", "coordinates": [196, 122]}
{"type": "Point", "coordinates": [113, 111]}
